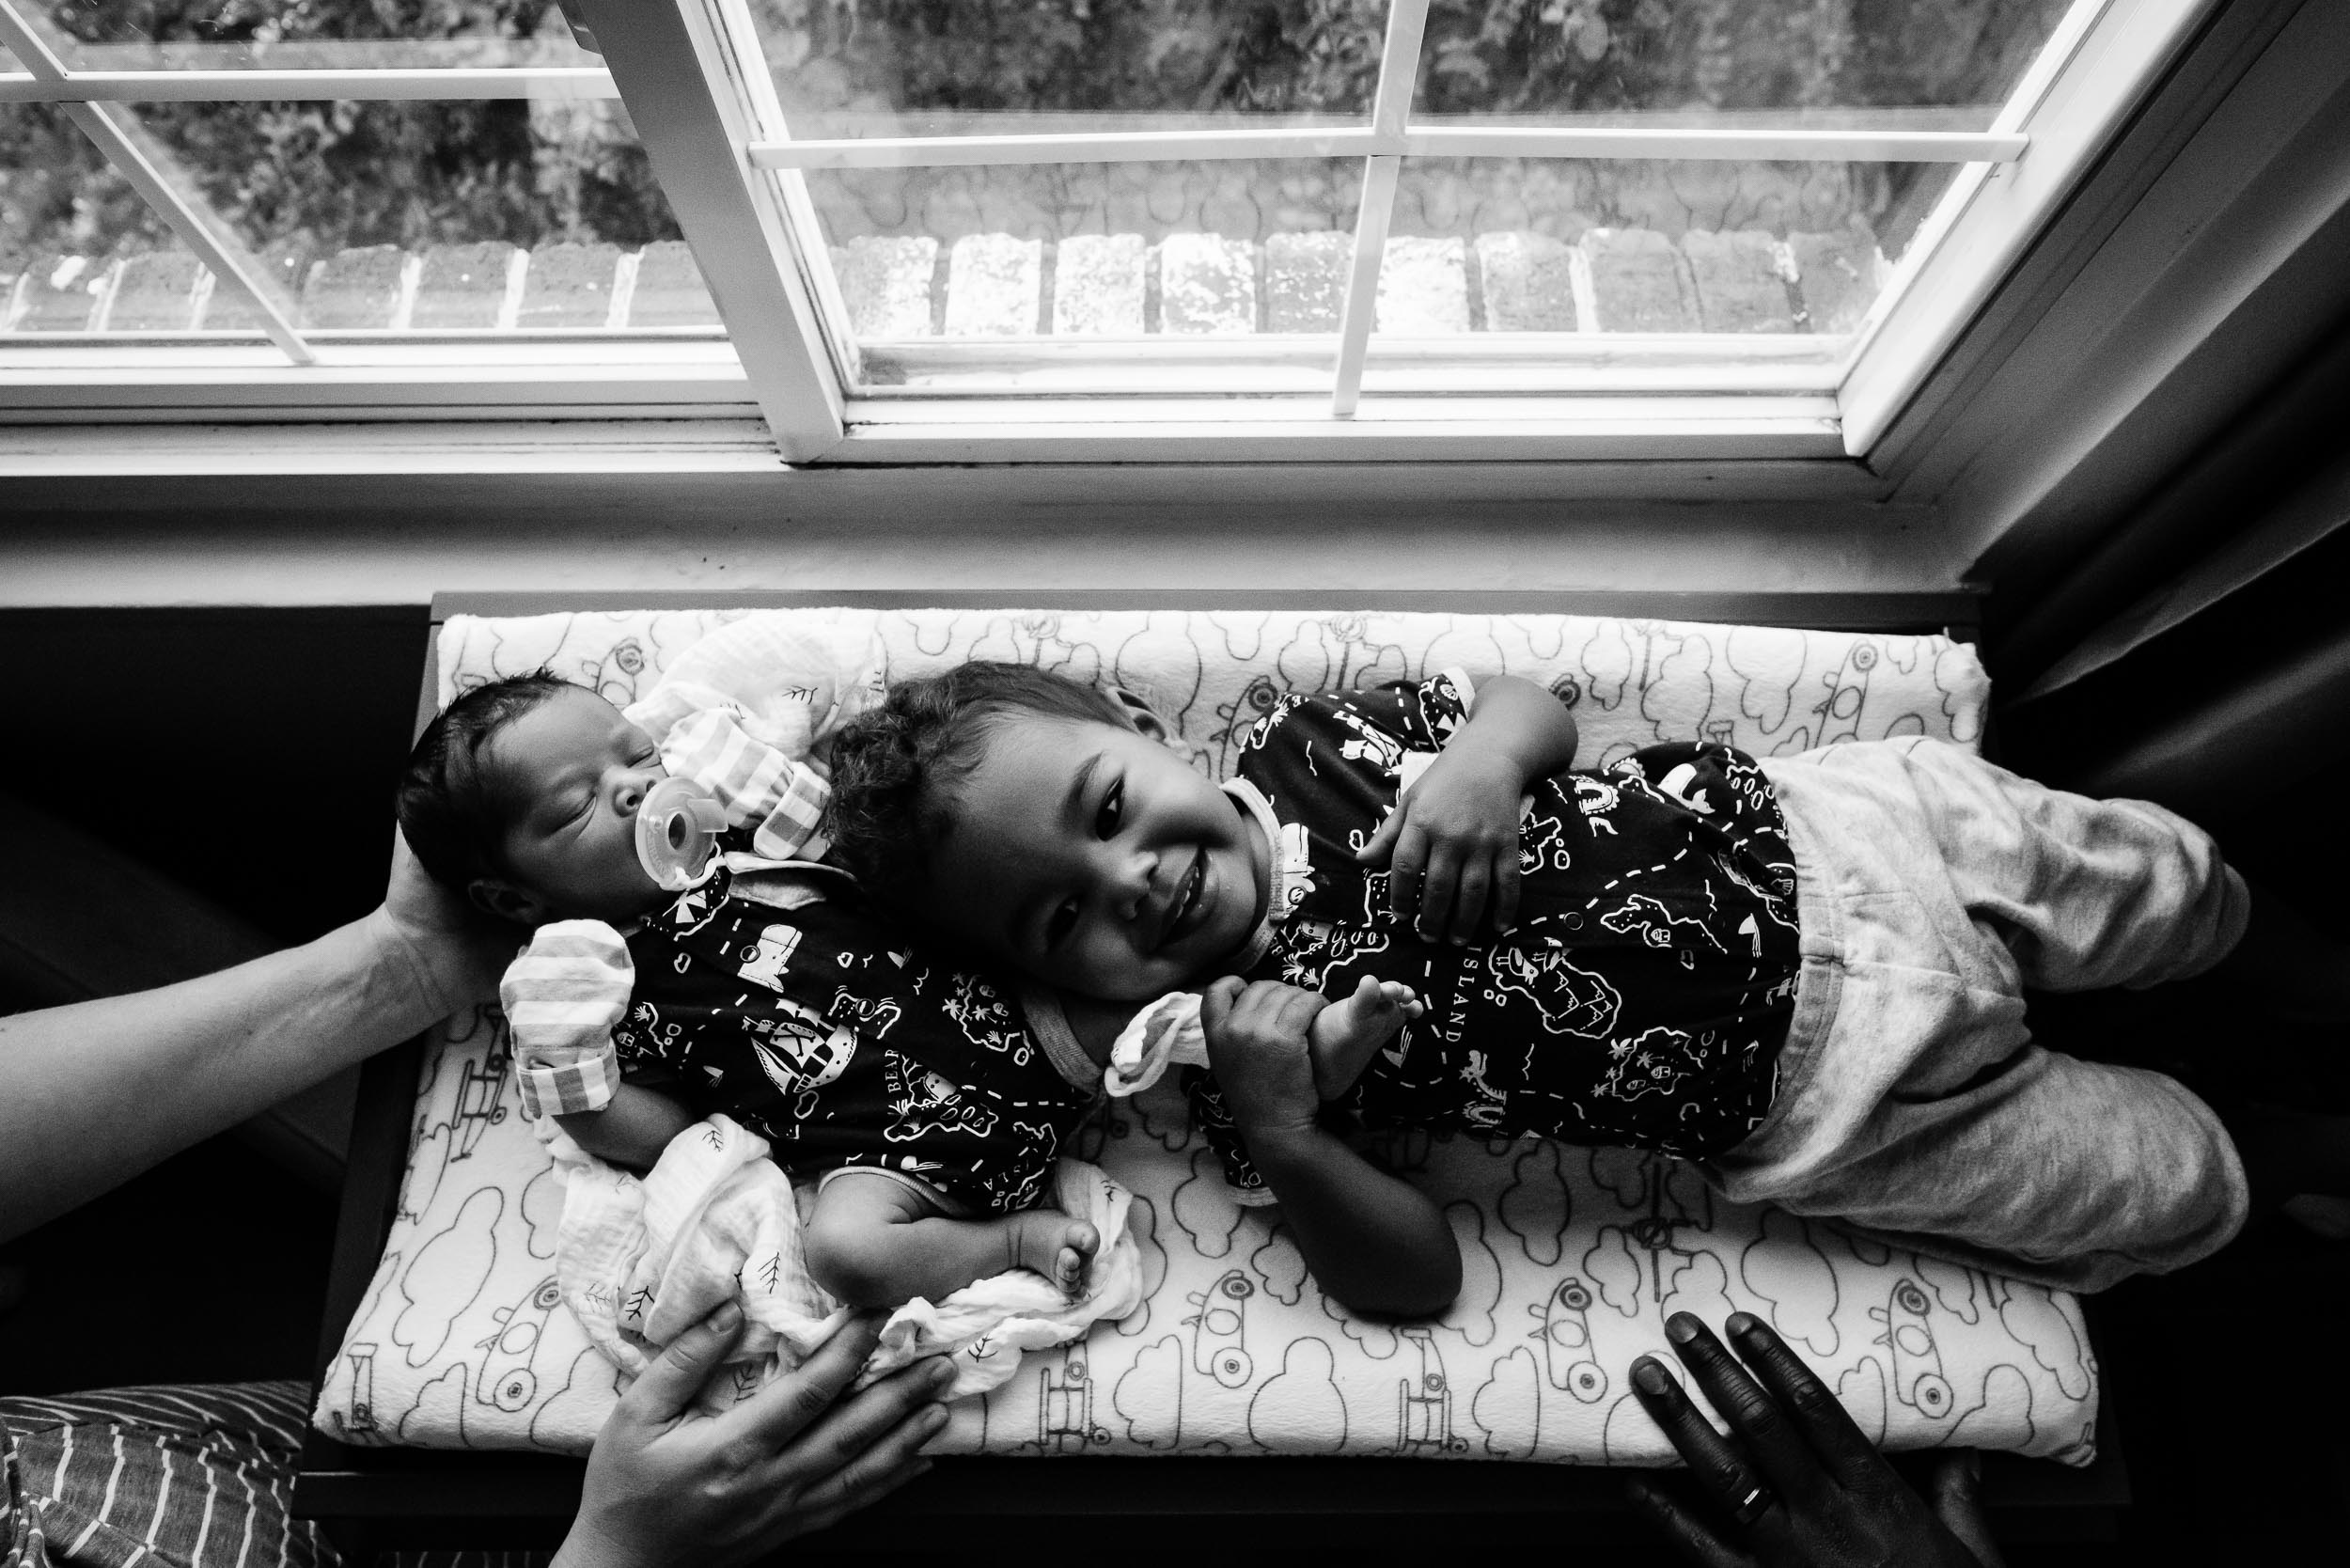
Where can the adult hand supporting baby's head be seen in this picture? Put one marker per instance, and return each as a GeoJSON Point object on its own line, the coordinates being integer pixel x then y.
{"type": "Point", "coordinates": [455, 951]}
{"type": "Point", "coordinates": [670, 1484]}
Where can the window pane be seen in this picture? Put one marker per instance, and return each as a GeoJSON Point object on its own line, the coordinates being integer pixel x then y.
{"type": "Point", "coordinates": [69, 229]}
{"type": "Point", "coordinates": [906, 68]}
{"type": "Point", "coordinates": [304, 35]}
{"type": "Point", "coordinates": [1693, 59]}
{"type": "Point", "coordinates": [422, 217]}
{"type": "Point", "coordinates": [1638, 272]}
{"type": "Point", "coordinates": [1158, 277]}
{"type": "Point", "coordinates": [440, 216]}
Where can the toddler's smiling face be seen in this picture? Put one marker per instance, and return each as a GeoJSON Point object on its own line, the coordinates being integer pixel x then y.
{"type": "Point", "coordinates": [1092, 857]}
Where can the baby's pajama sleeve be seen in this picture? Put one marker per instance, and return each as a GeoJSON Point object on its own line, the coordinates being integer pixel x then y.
{"type": "Point", "coordinates": [562, 995]}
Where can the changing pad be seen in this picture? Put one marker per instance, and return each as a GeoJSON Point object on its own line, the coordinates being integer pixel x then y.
{"type": "Point", "coordinates": [1573, 1256]}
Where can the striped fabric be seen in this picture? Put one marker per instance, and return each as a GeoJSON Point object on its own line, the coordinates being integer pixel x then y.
{"type": "Point", "coordinates": [561, 998]}
{"type": "Point", "coordinates": [195, 1476]}
{"type": "Point", "coordinates": [756, 782]}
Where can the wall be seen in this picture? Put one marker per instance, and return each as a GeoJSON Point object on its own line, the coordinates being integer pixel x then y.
{"type": "Point", "coordinates": [248, 754]}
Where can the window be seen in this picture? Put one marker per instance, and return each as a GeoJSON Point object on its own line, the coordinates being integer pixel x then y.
{"type": "Point", "coordinates": [271, 203]}
{"type": "Point", "coordinates": [1063, 229]}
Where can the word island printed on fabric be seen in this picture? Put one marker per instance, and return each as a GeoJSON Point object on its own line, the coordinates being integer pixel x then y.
{"type": "Point", "coordinates": [1643, 993]}
{"type": "Point", "coordinates": [842, 1042]}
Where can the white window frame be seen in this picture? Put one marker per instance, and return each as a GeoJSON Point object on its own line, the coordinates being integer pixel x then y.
{"type": "Point", "coordinates": [691, 73]}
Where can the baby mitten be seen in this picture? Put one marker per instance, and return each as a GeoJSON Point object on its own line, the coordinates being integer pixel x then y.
{"type": "Point", "coordinates": [562, 995]}
{"type": "Point", "coordinates": [1167, 1033]}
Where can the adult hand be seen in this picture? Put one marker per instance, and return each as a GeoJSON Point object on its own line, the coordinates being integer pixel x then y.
{"type": "Point", "coordinates": [668, 1485]}
{"type": "Point", "coordinates": [1257, 1047]}
{"type": "Point", "coordinates": [1451, 845]}
{"type": "Point", "coordinates": [457, 952]}
{"type": "Point", "coordinates": [1796, 1484]}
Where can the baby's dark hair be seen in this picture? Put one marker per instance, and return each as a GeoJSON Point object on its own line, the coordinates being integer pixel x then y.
{"type": "Point", "coordinates": [452, 810]}
{"type": "Point", "coordinates": [895, 767]}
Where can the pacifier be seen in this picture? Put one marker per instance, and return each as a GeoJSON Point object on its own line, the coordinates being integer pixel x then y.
{"type": "Point", "coordinates": [677, 828]}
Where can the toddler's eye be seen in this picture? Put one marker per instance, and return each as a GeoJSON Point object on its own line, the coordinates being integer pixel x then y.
{"type": "Point", "coordinates": [1063, 921]}
{"type": "Point", "coordinates": [1113, 804]}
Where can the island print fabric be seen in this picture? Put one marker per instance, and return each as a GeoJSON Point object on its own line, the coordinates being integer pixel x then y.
{"type": "Point", "coordinates": [1573, 1256]}
{"type": "Point", "coordinates": [833, 1035]}
{"type": "Point", "coordinates": [1641, 997]}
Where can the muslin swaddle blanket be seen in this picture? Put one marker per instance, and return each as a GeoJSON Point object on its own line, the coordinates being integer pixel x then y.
{"type": "Point", "coordinates": [638, 1261]}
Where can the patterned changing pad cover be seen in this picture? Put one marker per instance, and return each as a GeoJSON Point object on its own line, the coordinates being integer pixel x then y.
{"type": "Point", "coordinates": [1573, 1256]}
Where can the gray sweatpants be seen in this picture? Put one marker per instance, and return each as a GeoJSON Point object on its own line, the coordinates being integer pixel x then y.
{"type": "Point", "coordinates": [1912, 1101]}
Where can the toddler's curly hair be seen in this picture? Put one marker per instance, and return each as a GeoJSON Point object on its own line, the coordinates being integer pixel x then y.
{"type": "Point", "coordinates": [895, 767]}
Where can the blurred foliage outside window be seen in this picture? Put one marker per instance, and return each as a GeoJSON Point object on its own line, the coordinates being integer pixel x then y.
{"type": "Point", "coordinates": [328, 176]}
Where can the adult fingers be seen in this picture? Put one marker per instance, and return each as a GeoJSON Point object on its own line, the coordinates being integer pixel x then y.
{"type": "Point", "coordinates": [1956, 1491]}
{"type": "Point", "coordinates": [1678, 1523]}
{"type": "Point", "coordinates": [1763, 1429]}
{"type": "Point", "coordinates": [799, 1398]}
{"type": "Point", "coordinates": [1468, 901]}
{"type": "Point", "coordinates": [1827, 1428]}
{"type": "Point", "coordinates": [1435, 892]}
{"type": "Point", "coordinates": [791, 1520]}
{"type": "Point", "coordinates": [1721, 1471]}
{"type": "Point", "coordinates": [874, 1419]}
{"type": "Point", "coordinates": [668, 1385]}
{"type": "Point", "coordinates": [877, 1444]}
{"type": "Point", "coordinates": [1407, 872]}
{"type": "Point", "coordinates": [1382, 842]}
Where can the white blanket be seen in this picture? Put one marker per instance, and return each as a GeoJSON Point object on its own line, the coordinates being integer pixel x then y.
{"type": "Point", "coordinates": [640, 1261]}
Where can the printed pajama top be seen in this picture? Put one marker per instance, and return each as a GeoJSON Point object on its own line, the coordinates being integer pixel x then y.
{"type": "Point", "coordinates": [843, 1042]}
{"type": "Point", "coordinates": [1641, 998]}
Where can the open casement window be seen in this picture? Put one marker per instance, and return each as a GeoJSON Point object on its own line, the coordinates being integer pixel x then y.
{"type": "Point", "coordinates": [1063, 231]}
{"type": "Point", "coordinates": [323, 206]}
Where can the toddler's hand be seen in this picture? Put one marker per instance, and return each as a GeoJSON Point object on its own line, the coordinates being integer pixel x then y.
{"type": "Point", "coordinates": [1349, 1030]}
{"type": "Point", "coordinates": [1257, 1049]}
{"type": "Point", "coordinates": [1452, 847]}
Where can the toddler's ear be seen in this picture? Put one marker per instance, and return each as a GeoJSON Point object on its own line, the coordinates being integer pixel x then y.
{"type": "Point", "coordinates": [517, 905]}
{"type": "Point", "coordinates": [1141, 717]}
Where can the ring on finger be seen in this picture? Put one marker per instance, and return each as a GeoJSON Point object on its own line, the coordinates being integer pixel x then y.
{"type": "Point", "coordinates": [1752, 1506]}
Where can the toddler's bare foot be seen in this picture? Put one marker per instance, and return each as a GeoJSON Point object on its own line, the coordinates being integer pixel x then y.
{"type": "Point", "coordinates": [1346, 1033]}
{"type": "Point", "coordinates": [1056, 1246]}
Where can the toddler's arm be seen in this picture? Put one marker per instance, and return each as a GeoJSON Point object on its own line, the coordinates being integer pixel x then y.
{"type": "Point", "coordinates": [873, 1241]}
{"type": "Point", "coordinates": [1343, 1035]}
{"type": "Point", "coordinates": [1516, 719]}
{"type": "Point", "coordinates": [1375, 1243]}
{"type": "Point", "coordinates": [1451, 842]}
